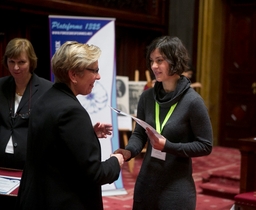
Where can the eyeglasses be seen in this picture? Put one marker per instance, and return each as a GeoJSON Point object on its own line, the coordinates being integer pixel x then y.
{"type": "Point", "coordinates": [22, 116]}
{"type": "Point", "coordinates": [94, 71]}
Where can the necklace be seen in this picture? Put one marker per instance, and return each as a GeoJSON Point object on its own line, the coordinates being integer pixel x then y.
{"type": "Point", "coordinates": [12, 107]}
{"type": "Point", "coordinates": [20, 91]}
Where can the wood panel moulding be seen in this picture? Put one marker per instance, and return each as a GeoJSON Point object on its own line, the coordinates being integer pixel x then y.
{"type": "Point", "coordinates": [138, 22]}
{"type": "Point", "coordinates": [140, 13]}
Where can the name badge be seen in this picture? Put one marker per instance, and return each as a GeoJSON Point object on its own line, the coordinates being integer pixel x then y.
{"type": "Point", "coordinates": [158, 154]}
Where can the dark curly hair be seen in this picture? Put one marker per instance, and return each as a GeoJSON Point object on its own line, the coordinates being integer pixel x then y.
{"type": "Point", "coordinates": [173, 51]}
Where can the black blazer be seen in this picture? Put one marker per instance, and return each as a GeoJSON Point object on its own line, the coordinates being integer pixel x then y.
{"type": "Point", "coordinates": [17, 125]}
{"type": "Point", "coordinates": [63, 170]}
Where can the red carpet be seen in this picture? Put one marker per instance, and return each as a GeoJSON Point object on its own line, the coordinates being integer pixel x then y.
{"type": "Point", "coordinates": [216, 177]}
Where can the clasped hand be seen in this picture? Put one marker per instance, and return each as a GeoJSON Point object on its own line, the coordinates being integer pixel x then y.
{"type": "Point", "coordinates": [126, 153]}
{"type": "Point", "coordinates": [102, 130]}
{"type": "Point", "coordinates": [156, 140]}
{"type": "Point", "coordinates": [119, 157]}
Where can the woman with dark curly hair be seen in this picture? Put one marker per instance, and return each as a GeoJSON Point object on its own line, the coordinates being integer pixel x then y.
{"type": "Point", "coordinates": [179, 115]}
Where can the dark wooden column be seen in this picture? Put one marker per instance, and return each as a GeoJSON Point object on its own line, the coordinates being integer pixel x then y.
{"type": "Point", "coordinates": [247, 148]}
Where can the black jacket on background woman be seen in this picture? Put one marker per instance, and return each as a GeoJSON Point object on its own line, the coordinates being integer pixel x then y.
{"type": "Point", "coordinates": [16, 125]}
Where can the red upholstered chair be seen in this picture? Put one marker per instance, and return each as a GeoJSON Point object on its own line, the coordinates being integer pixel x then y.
{"type": "Point", "coordinates": [245, 201]}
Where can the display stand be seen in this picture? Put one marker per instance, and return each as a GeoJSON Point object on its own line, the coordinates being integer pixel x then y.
{"type": "Point", "coordinates": [125, 132]}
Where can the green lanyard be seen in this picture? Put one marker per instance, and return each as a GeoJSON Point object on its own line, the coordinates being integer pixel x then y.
{"type": "Point", "coordinates": [159, 127]}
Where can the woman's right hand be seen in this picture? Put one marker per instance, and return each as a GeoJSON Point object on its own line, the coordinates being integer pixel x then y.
{"type": "Point", "coordinates": [126, 153]}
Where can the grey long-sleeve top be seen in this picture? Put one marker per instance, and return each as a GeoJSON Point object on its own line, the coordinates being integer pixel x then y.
{"type": "Point", "coordinates": [168, 184]}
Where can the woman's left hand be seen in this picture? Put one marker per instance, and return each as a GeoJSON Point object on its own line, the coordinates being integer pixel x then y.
{"type": "Point", "coordinates": [156, 140]}
{"type": "Point", "coordinates": [102, 130]}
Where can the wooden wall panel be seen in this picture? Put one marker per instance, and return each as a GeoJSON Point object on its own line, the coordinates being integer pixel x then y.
{"type": "Point", "coordinates": [238, 101]}
{"type": "Point", "coordinates": [137, 23]}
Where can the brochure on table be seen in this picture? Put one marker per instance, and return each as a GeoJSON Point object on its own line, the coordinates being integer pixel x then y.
{"type": "Point", "coordinates": [8, 184]}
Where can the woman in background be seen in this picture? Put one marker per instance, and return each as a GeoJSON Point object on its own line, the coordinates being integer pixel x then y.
{"type": "Point", "coordinates": [19, 93]}
{"type": "Point", "coordinates": [179, 115]}
{"type": "Point", "coordinates": [189, 74]}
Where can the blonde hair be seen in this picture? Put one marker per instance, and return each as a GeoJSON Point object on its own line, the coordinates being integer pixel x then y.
{"type": "Point", "coordinates": [73, 56]}
{"type": "Point", "coordinates": [17, 46]}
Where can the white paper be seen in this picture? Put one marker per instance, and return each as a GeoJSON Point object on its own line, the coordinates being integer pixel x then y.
{"type": "Point", "coordinates": [139, 121]}
{"type": "Point", "coordinates": [8, 184]}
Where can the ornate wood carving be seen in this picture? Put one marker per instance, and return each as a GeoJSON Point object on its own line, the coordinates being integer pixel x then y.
{"type": "Point", "coordinates": [138, 22]}
{"type": "Point", "coordinates": [135, 12]}
{"type": "Point", "coordinates": [238, 100]}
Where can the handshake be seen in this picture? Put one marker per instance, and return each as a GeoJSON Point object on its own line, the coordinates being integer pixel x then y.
{"type": "Point", "coordinates": [102, 130]}
{"type": "Point", "coordinates": [121, 155]}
